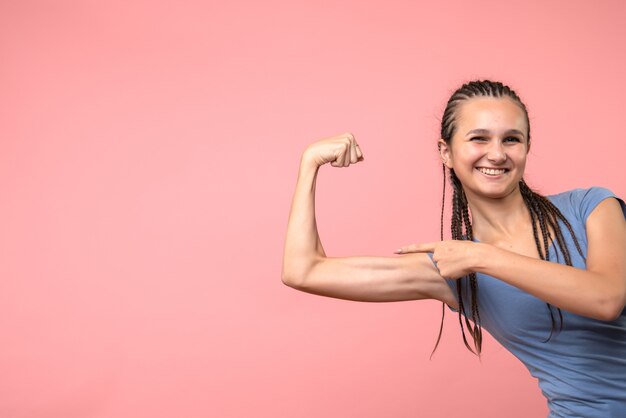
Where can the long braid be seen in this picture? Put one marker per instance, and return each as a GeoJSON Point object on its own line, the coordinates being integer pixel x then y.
{"type": "Point", "coordinates": [546, 218]}
{"type": "Point", "coordinates": [539, 205]}
{"type": "Point", "coordinates": [467, 233]}
{"type": "Point", "coordinates": [443, 305]}
{"type": "Point", "coordinates": [461, 227]}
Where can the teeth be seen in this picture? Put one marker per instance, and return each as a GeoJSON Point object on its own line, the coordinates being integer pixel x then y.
{"type": "Point", "coordinates": [492, 171]}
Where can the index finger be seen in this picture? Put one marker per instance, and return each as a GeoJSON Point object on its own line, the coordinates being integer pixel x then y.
{"type": "Point", "coordinates": [417, 248]}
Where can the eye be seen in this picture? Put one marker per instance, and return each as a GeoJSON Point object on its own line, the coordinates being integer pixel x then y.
{"type": "Point", "coordinates": [478, 138]}
{"type": "Point", "coordinates": [512, 139]}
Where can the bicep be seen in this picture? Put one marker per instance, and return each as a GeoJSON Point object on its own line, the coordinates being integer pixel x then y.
{"type": "Point", "coordinates": [377, 279]}
{"type": "Point", "coordinates": [606, 239]}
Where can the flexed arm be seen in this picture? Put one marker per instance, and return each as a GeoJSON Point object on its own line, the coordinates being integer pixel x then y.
{"type": "Point", "coordinates": [376, 279]}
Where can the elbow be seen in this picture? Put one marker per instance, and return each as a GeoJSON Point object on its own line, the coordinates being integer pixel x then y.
{"type": "Point", "coordinates": [613, 312]}
{"type": "Point", "coordinates": [612, 309]}
{"type": "Point", "coordinates": [295, 277]}
{"type": "Point", "coordinates": [296, 272]}
{"type": "Point", "coordinates": [290, 280]}
{"type": "Point", "coordinates": [609, 315]}
{"type": "Point", "coordinates": [297, 282]}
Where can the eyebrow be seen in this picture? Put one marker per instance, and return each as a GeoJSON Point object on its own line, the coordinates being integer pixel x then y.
{"type": "Point", "coordinates": [487, 132]}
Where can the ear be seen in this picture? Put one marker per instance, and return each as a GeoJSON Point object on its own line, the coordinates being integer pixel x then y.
{"type": "Point", "coordinates": [445, 153]}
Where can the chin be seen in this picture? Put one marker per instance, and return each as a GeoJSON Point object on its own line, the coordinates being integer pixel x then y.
{"type": "Point", "coordinates": [501, 193]}
{"type": "Point", "coordinates": [491, 193]}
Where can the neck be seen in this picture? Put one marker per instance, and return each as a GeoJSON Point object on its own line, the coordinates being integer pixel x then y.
{"type": "Point", "coordinates": [497, 219]}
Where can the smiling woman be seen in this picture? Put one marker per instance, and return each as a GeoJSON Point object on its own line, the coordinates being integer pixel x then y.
{"type": "Point", "coordinates": [493, 156]}
{"type": "Point", "coordinates": [551, 269]}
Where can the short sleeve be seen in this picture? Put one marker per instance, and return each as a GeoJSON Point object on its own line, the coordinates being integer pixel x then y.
{"type": "Point", "coordinates": [589, 199]}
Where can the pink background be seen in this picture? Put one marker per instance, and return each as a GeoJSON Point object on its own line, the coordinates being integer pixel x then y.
{"type": "Point", "coordinates": [148, 154]}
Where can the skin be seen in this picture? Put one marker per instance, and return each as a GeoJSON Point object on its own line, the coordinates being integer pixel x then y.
{"type": "Point", "coordinates": [500, 221]}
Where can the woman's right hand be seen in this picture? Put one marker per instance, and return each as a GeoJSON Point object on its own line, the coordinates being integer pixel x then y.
{"type": "Point", "coordinates": [340, 151]}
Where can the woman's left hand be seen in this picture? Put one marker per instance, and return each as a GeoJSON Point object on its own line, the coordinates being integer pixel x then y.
{"type": "Point", "coordinates": [453, 258]}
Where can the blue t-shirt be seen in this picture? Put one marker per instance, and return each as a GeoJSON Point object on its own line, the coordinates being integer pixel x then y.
{"type": "Point", "coordinates": [581, 370]}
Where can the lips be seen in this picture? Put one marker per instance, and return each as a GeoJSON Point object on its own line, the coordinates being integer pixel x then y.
{"type": "Point", "coordinates": [492, 171]}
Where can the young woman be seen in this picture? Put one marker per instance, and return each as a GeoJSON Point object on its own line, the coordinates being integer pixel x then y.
{"type": "Point", "coordinates": [546, 276]}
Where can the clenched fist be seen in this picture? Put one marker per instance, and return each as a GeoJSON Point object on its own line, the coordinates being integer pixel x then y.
{"type": "Point", "coordinates": [340, 151]}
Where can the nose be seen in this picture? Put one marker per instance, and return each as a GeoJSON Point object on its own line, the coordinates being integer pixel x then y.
{"type": "Point", "coordinates": [496, 153]}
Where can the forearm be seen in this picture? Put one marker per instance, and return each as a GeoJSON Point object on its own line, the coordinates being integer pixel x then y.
{"type": "Point", "coordinates": [583, 292]}
{"type": "Point", "coordinates": [302, 243]}
{"type": "Point", "coordinates": [376, 279]}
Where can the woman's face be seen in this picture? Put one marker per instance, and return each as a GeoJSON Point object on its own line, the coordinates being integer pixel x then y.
{"type": "Point", "coordinates": [489, 148]}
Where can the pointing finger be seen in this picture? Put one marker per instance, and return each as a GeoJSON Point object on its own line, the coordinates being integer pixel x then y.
{"type": "Point", "coordinates": [416, 248]}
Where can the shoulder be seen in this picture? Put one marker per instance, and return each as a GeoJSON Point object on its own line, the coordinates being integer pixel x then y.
{"type": "Point", "coordinates": [579, 203]}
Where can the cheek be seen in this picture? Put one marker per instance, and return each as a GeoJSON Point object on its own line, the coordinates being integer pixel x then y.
{"type": "Point", "coordinates": [520, 158]}
{"type": "Point", "coordinates": [468, 155]}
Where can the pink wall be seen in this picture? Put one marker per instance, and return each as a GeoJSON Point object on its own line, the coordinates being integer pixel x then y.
{"type": "Point", "coordinates": [148, 152]}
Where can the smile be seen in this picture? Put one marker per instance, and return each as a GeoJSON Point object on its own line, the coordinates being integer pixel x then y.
{"type": "Point", "coordinates": [492, 171]}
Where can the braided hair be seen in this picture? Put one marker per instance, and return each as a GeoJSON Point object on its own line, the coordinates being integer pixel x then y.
{"type": "Point", "coordinates": [542, 212]}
